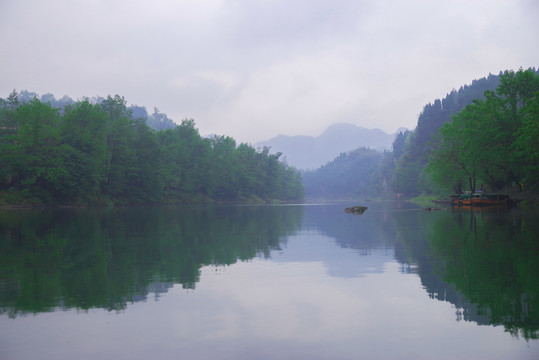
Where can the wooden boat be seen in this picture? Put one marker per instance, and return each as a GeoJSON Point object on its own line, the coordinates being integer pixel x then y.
{"type": "Point", "coordinates": [467, 199]}
{"type": "Point", "coordinates": [481, 199]}
{"type": "Point", "coordinates": [485, 199]}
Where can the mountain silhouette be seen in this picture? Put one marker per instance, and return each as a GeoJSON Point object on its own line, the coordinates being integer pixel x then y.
{"type": "Point", "coordinates": [311, 152]}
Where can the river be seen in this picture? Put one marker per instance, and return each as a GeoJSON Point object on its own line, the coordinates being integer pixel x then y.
{"type": "Point", "coordinates": [304, 281]}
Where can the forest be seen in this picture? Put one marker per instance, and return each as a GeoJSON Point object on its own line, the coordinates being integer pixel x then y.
{"type": "Point", "coordinates": [102, 152]}
{"type": "Point", "coordinates": [493, 142]}
{"type": "Point", "coordinates": [482, 136]}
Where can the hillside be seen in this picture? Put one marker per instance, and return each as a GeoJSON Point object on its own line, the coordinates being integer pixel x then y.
{"type": "Point", "coordinates": [351, 175]}
{"type": "Point", "coordinates": [311, 152]}
{"type": "Point", "coordinates": [493, 144]}
{"type": "Point", "coordinates": [413, 151]}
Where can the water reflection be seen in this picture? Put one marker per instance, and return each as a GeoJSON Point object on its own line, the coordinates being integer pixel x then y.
{"type": "Point", "coordinates": [107, 258]}
{"type": "Point", "coordinates": [364, 243]}
{"type": "Point", "coordinates": [491, 257]}
{"type": "Point", "coordinates": [483, 262]}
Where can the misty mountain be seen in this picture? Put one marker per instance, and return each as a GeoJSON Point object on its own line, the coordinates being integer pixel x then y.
{"type": "Point", "coordinates": [311, 152]}
{"type": "Point", "coordinates": [352, 175]}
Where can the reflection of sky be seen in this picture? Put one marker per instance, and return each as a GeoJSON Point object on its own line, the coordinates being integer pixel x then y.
{"type": "Point", "coordinates": [265, 309]}
{"type": "Point", "coordinates": [340, 262]}
{"type": "Point", "coordinates": [311, 300]}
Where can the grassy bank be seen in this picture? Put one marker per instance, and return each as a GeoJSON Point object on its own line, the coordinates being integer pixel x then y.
{"type": "Point", "coordinates": [425, 200]}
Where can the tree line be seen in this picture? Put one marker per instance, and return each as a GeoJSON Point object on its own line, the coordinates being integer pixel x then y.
{"type": "Point", "coordinates": [482, 135]}
{"type": "Point", "coordinates": [493, 142]}
{"type": "Point", "coordinates": [411, 149]}
{"type": "Point", "coordinates": [100, 153]}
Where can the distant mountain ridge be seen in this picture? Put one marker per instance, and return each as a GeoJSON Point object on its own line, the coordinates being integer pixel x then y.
{"type": "Point", "coordinates": [311, 152]}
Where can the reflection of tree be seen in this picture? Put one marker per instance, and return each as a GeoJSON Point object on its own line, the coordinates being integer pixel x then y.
{"type": "Point", "coordinates": [483, 262]}
{"type": "Point", "coordinates": [492, 258]}
{"type": "Point", "coordinates": [412, 247]}
{"type": "Point", "coordinates": [107, 258]}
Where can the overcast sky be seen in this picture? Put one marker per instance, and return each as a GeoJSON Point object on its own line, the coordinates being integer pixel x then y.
{"type": "Point", "coordinates": [252, 69]}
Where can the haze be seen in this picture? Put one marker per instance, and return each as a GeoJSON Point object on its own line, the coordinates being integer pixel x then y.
{"type": "Point", "coordinates": [254, 69]}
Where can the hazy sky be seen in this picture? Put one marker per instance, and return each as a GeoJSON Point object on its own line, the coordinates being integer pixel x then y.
{"type": "Point", "coordinates": [252, 69]}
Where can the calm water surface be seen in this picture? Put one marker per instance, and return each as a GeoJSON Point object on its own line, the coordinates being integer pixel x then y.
{"type": "Point", "coordinates": [269, 282]}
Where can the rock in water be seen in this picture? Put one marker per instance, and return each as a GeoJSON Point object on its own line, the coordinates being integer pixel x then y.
{"type": "Point", "coordinates": [356, 209]}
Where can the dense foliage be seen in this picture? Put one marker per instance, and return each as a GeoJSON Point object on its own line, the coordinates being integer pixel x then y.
{"type": "Point", "coordinates": [98, 152]}
{"type": "Point", "coordinates": [492, 142]}
{"type": "Point", "coordinates": [411, 158]}
{"type": "Point", "coordinates": [156, 120]}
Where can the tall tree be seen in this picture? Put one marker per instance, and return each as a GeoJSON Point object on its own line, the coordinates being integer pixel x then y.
{"type": "Point", "coordinates": [448, 165]}
{"type": "Point", "coordinates": [492, 136]}
{"type": "Point", "coordinates": [119, 158]}
{"type": "Point", "coordinates": [83, 128]}
{"type": "Point", "coordinates": [38, 152]}
{"type": "Point", "coordinates": [8, 134]}
{"type": "Point", "coordinates": [224, 167]}
{"type": "Point", "coordinates": [145, 183]}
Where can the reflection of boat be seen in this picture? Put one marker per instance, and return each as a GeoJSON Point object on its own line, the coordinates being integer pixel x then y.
{"type": "Point", "coordinates": [483, 209]}
{"type": "Point", "coordinates": [480, 199]}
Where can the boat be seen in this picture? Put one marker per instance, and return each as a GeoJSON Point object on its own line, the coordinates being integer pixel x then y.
{"type": "Point", "coordinates": [481, 199]}
{"type": "Point", "coordinates": [467, 199]}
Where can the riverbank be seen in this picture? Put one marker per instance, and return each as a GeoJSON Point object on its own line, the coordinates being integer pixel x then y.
{"type": "Point", "coordinates": [12, 200]}
{"type": "Point", "coordinates": [527, 198]}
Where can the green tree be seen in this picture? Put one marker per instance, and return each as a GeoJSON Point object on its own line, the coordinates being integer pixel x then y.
{"type": "Point", "coordinates": [120, 151]}
{"type": "Point", "coordinates": [83, 128]}
{"type": "Point", "coordinates": [489, 141]}
{"type": "Point", "coordinates": [224, 167]}
{"type": "Point", "coordinates": [447, 163]}
{"type": "Point", "coordinates": [248, 180]}
{"type": "Point", "coordinates": [8, 134]}
{"type": "Point", "coordinates": [185, 161]}
{"type": "Point", "coordinates": [145, 183]}
{"type": "Point", "coordinates": [525, 145]}
{"type": "Point", "coordinates": [38, 155]}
